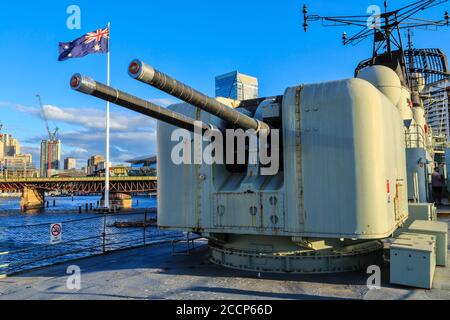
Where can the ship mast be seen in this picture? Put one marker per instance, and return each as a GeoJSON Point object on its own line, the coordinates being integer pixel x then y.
{"type": "Point", "coordinates": [385, 28]}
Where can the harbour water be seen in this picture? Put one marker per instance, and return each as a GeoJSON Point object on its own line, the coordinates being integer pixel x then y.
{"type": "Point", "coordinates": [65, 209]}
{"type": "Point", "coordinates": [25, 238]}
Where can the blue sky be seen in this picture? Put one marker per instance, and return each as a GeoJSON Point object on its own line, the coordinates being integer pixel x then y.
{"type": "Point", "coordinates": [190, 40]}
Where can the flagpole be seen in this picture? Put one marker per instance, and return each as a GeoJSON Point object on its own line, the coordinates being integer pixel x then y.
{"type": "Point", "coordinates": [108, 76]}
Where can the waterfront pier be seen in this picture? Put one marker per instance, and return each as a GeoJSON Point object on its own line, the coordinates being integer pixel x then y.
{"type": "Point", "coordinates": [33, 190]}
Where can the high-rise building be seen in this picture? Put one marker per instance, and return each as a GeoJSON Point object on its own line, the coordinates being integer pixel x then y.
{"type": "Point", "coordinates": [5, 138]}
{"type": "Point", "coordinates": [19, 166]}
{"type": "Point", "coordinates": [70, 164]}
{"type": "Point", "coordinates": [50, 157]}
{"type": "Point", "coordinates": [237, 86]}
{"type": "Point", "coordinates": [437, 107]}
{"type": "Point", "coordinates": [13, 148]}
{"type": "Point", "coordinates": [10, 146]}
{"type": "Point", "coordinates": [13, 164]}
{"type": "Point", "coordinates": [93, 164]}
{"type": "Point", "coordinates": [2, 150]}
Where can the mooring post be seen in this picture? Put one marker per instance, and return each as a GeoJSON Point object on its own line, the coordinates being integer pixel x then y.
{"type": "Point", "coordinates": [54, 203]}
{"type": "Point", "coordinates": [79, 210]}
{"type": "Point", "coordinates": [104, 233]}
{"type": "Point", "coordinates": [145, 228]}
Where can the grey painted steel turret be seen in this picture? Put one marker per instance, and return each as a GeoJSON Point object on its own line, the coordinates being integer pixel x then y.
{"type": "Point", "coordinates": [277, 220]}
{"type": "Point", "coordinates": [149, 75]}
{"type": "Point", "coordinates": [91, 87]}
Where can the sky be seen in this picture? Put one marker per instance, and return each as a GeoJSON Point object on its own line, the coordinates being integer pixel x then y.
{"type": "Point", "coordinates": [193, 41]}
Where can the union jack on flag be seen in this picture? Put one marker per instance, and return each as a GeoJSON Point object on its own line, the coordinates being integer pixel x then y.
{"type": "Point", "coordinates": [97, 35]}
{"type": "Point", "coordinates": [92, 42]}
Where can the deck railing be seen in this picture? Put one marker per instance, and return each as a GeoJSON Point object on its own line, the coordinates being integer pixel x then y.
{"type": "Point", "coordinates": [416, 137]}
{"type": "Point", "coordinates": [25, 247]}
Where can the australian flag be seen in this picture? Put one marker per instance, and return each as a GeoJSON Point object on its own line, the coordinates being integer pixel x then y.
{"type": "Point", "coordinates": [93, 42]}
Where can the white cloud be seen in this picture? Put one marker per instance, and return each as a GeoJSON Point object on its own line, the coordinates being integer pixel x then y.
{"type": "Point", "coordinates": [131, 135]}
{"type": "Point", "coordinates": [120, 149]}
{"type": "Point", "coordinates": [95, 119]}
{"type": "Point", "coordinates": [28, 110]}
{"type": "Point", "coordinates": [165, 102]}
{"type": "Point", "coordinates": [90, 118]}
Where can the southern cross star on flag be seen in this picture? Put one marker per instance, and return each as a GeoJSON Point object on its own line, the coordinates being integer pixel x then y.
{"type": "Point", "coordinates": [92, 42]}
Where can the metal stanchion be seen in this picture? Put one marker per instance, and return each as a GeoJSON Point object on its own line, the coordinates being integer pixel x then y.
{"type": "Point", "coordinates": [145, 228]}
{"type": "Point", "coordinates": [104, 233]}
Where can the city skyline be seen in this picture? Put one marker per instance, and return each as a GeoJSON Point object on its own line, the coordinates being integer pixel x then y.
{"type": "Point", "coordinates": [279, 55]}
{"type": "Point", "coordinates": [15, 163]}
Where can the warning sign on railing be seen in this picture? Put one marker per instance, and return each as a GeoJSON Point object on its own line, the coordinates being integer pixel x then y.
{"type": "Point", "coordinates": [56, 233]}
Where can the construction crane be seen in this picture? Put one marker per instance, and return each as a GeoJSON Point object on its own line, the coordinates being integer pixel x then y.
{"type": "Point", "coordinates": [52, 136]}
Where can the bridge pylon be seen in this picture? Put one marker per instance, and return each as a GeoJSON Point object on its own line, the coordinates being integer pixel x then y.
{"type": "Point", "coordinates": [32, 199]}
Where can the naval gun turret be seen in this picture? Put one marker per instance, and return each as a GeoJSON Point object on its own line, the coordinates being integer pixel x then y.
{"type": "Point", "coordinates": [339, 190]}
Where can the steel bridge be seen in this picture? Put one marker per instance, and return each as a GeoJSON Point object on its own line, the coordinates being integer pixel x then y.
{"type": "Point", "coordinates": [83, 185]}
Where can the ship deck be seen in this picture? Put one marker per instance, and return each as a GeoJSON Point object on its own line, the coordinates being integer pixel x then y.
{"type": "Point", "coordinates": [154, 273]}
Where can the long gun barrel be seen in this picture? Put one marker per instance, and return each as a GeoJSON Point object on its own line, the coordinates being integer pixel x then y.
{"type": "Point", "coordinates": [91, 87]}
{"type": "Point", "coordinates": [147, 74]}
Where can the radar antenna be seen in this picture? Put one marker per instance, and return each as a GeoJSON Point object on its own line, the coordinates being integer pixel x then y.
{"type": "Point", "coordinates": [385, 28]}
